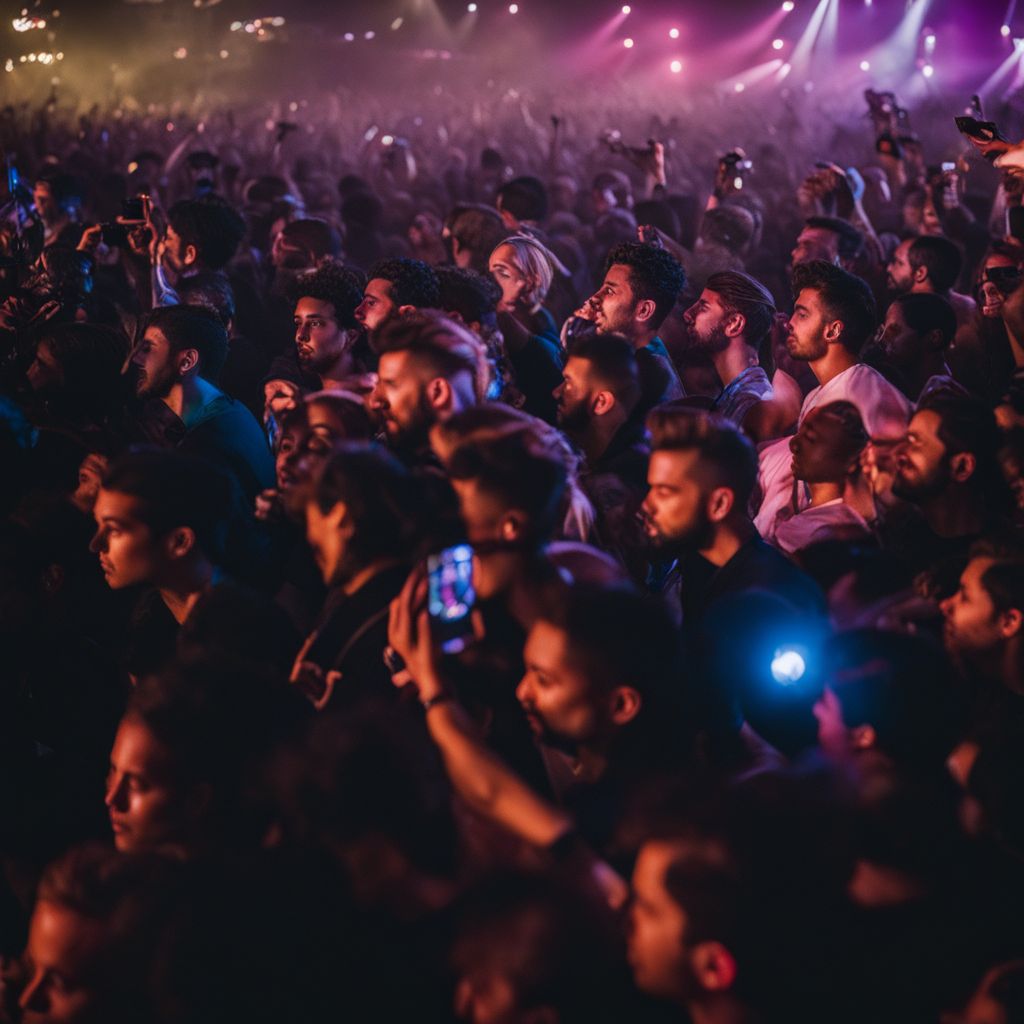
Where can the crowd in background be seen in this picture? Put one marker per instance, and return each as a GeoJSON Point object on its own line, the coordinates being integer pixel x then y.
{"type": "Point", "coordinates": [495, 564]}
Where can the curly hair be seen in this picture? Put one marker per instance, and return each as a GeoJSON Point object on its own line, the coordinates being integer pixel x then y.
{"type": "Point", "coordinates": [413, 283]}
{"type": "Point", "coordinates": [654, 275]}
{"type": "Point", "coordinates": [334, 283]}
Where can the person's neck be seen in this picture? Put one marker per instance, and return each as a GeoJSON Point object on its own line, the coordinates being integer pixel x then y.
{"type": "Point", "coordinates": [591, 762]}
{"type": "Point", "coordinates": [1011, 674]}
{"type": "Point", "coordinates": [729, 537]}
{"type": "Point", "coordinates": [918, 375]}
{"type": "Point", "coordinates": [363, 576]}
{"type": "Point", "coordinates": [824, 492]}
{"type": "Point", "coordinates": [641, 338]}
{"type": "Point", "coordinates": [181, 594]}
{"type": "Point", "coordinates": [836, 360]}
{"type": "Point", "coordinates": [927, 288]}
{"type": "Point", "coordinates": [335, 377]}
{"type": "Point", "coordinates": [599, 433]}
{"type": "Point", "coordinates": [188, 397]}
{"type": "Point", "coordinates": [733, 360]}
{"type": "Point", "coordinates": [954, 513]}
{"type": "Point", "coordinates": [720, 1008]}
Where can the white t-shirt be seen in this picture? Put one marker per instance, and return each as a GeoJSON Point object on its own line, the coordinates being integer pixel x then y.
{"type": "Point", "coordinates": [885, 410]}
{"type": "Point", "coordinates": [823, 522]}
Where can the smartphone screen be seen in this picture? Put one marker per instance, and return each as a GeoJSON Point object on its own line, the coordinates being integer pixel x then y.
{"type": "Point", "coordinates": [451, 596]}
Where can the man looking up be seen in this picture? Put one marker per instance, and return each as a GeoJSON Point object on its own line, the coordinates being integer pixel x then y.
{"type": "Point", "coordinates": [641, 285]}
{"type": "Point", "coordinates": [394, 288]}
{"type": "Point", "coordinates": [182, 351]}
{"type": "Point", "coordinates": [729, 322]}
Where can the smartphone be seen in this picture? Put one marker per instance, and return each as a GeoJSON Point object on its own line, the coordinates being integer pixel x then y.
{"type": "Point", "coordinates": [983, 131]}
{"type": "Point", "coordinates": [114, 234]}
{"type": "Point", "coordinates": [131, 209]}
{"type": "Point", "coordinates": [948, 166]}
{"type": "Point", "coordinates": [450, 596]}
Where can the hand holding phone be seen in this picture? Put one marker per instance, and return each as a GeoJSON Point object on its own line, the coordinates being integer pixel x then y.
{"type": "Point", "coordinates": [451, 596]}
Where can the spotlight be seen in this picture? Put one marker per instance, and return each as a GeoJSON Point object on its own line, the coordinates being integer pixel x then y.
{"type": "Point", "coordinates": [180, 53]}
{"type": "Point", "coordinates": [513, 8]}
{"type": "Point", "coordinates": [788, 665]}
{"type": "Point", "coordinates": [739, 87]}
{"type": "Point", "coordinates": [626, 9]}
{"type": "Point", "coordinates": [929, 41]}
{"type": "Point", "coordinates": [676, 66]}
{"type": "Point", "coordinates": [396, 24]}
{"type": "Point", "coordinates": [927, 71]}
{"type": "Point", "coordinates": [788, 6]}
{"type": "Point", "coordinates": [369, 35]}
{"type": "Point", "coordinates": [865, 65]}
{"type": "Point", "coordinates": [224, 55]}
{"type": "Point", "coordinates": [1005, 31]}
{"type": "Point", "coordinates": [349, 37]}
{"type": "Point", "coordinates": [471, 8]}
{"type": "Point", "coordinates": [627, 43]}
{"type": "Point", "coordinates": [777, 44]}
{"type": "Point", "coordinates": [673, 33]}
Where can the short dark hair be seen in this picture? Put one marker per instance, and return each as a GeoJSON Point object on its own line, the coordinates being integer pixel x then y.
{"type": "Point", "coordinates": [725, 452]}
{"type": "Point", "coordinates": [613, 361]}
{"type": "Point", "coordinates": [925, 312]}
{"type": "Point", "coordinates": [413, 283]}
{"type": "Point", "coordinates": [473, 296]}
{"type": "Point", "coordinates": [850, 240]}
{"type": "Point", "coordinates": [316, 237]}
{"type": "Point", "coordinates": [381, 496]}
{"type": "Point", "coordinates": [334, 283]}
{"type": "Point", "coordinates": [444, 346]}
{"type": "Point", "coordinates": [845, 297]}
{"type": "Point", "coordinates": [940, 256]}
{"type": "Point", "coordinates": [195, 327]}
{"type": "Point", "coordinates": [174, 490]}
{"type": "Point", "coordinates": [741, 293]}
{"type": "Point", "coordinates": [1004, 579]}
{"type": "Point", "coordinates": [854, 434]}
{"type": "Point", "coordinates": [525, 198]}
{"type": "Point", "coordinates": [729, 226]}
{"type": "Point", "coordinates": [212, 225]}
{"type": "Point", "coordinates": [519, 475]}
{"type": "Point", "coordinates": [654, 274]}
{"type": "Point", "coordinates": [212, 290]}
{"type": "Point", "coordinates": [479, 229]}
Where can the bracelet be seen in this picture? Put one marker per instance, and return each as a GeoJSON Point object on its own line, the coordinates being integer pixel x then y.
{"type": "Point", "coordinates": [432, 702]}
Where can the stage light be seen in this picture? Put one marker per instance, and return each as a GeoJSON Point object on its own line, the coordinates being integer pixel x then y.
{"type": "Point", "coordinates": [788, 665]}
{"type": "Point", "coordinates": [785, 70]}
{"type": "Point", "coordinates": [788, 6]}
{"type": "Point", "coordinates": [180, 53]}
{"type": "Point", "coordinates": [396, 24]}
{"type": "Point", "coordinates": [1005, 31]}
{"type": "Point", "coordinates": [471, 8]}
{"type": "Point", "coordinates": [369, 35]}
{"type": "Point", "coordinates": [739, 87]}
{"type": "Point", "coordinates": [223, 55]}
{"type": "Point", "coordinates": [626, 9]}
{"type": "Point", "coordinates": [676, 66]}
{"type": "Point", "coordinates": [8, 64]}
{"type": "Point", "coordinates": [865, 65]}
{"type": "Point", "coordinates": [627, 43]}
{"type": "Point", "coordinates": [927, 71]}
{"type": "Point", "coordinates": [929, 41]}
{"type": "Point", "coordinates": [673, 33]}
{"type": "Point", "coordinates": [513, 8]}
{"type": "Point", "coordinates": [777, 44]}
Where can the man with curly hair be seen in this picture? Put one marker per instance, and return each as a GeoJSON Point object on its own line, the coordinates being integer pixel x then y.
{"type": "Point", "coordinates": [641, 285]}
{"type": "Point", "coordinates": [395, 287]}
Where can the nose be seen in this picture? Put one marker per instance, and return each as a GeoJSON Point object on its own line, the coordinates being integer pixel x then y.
{"type": "Point", "coordinates": [946, 607]}
{"type": "Point", "coordinates": [377, 401]}
{"type": "Point", "coordinates": [115, 795]}
{"type": "Point", "coordinates": [301, 332]}
{"type": "Point", "coordinates": [98, 542]}
{"type": "Point", "coordinates": [524, 691]}
{"type": "Point", "coordinates": [558, 391]}
{"type": "Point", "coordinates": [689, 316]}
{"type": "Point", "coordinates": [360, 313]}
{"type": "Point", "coordinates": [30, 995]}
{"type": "Point", "coordinates": [793, 444]}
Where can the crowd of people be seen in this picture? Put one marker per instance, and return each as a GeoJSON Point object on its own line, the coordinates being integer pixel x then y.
{"type": "Point", "coordinates": [527, 586]}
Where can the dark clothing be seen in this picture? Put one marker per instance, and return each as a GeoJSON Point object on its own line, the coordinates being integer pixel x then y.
{"type": "Point", "coordinates": [659, 379]}
{"type": "Point", "coordinates": [351, 635]}
{"type": "Point", "coordinates": [538, 366]}
{"type": "Point", "coordinates": [243, 373]}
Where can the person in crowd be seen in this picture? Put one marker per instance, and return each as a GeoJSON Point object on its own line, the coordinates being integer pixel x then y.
{"type": "Point", "coordinates": [918, 330]}
{"type": "Point", "coordinates": [394, 288]}
{"type": "Point", "coordinates": [522, 203]}
{"type": "Point", "coordinates": [831, 239]}
{"type": "Point", "coordinates": [930, 265]}
{"type": "Point", "coordinates": [473, 233]}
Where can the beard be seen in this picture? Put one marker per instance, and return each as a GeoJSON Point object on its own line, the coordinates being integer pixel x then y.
{"type": "Point", "coordinates": [713, 342]}
{"type": "Point", "coordinates": [154, 385]}
{"type": "Point", "coordinates": [574, 420]}
{"type": "Point", "coordinates": [411, 438]}
{"type": "Point", "coordinates": [923, 487]}
{"type": "Point", "coordinates": [697, 536]}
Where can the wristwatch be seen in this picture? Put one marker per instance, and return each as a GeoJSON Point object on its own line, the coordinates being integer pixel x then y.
{"type": "Point", "coordinates": [432, 702]}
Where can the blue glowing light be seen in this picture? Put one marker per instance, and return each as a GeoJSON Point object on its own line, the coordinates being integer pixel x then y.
{"type": "Point", "coordinates": [788, 666]}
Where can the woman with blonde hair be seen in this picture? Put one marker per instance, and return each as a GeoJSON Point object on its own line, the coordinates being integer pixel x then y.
{"type": "Point", "coordinates": [493, 420]}
{"type": "Point", "coordinates": [524, 270]}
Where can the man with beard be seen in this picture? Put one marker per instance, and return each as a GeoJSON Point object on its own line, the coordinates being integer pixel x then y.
{"type": "Point", "coordinates": [326, 330]}
{"type": "Point", "coordinates": [599, 411]}
{"type": "Point", "coordinates": [729, 322]}
{"type": "Point", "coordinates": [361, 526]}
{"type": "Point", "coordinates": [394, 288]}
{"type": "Point", "coordinates": [176, 365]}
{"type": "Point", "coordinates": [930, 265]}
{"type": "Point", "coordinates": [948, 471]}
{"type": "Point", "coordinates": [430, 368]}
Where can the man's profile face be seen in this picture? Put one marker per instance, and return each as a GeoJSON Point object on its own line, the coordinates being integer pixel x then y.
{"type": "Point", "coordinates": [45, 375]}
{"type": "Point", "coordinates": [657, 926]}
{"type": "Point", "coordinates": [574, 396]}
{"type": "Point", "coordinates": [819, 449]}
{"type": "Point", "coordinates": [614, 303]}
{"type": "Point", "coordinates": [45, 203]}
{"type": "Point", "coordinates": [147, 806]}
{"type": "Point", "coordinates": [815, 244]}
{"type": "Point", "coordinates": [559, 702]}
{"type": "Point", "coordinates": [705, 323]}
{"type": "Point", "coordinates": [129, 552]}
{"type": "Point", "coordinates": [900, 274]}
{"type": "Point", "coordinates": [60, 959]}
{"type": "Point", "coordinates": [805, 331]}
{"type": "Point", "coordinates": [971, 625]}
{"type": "Point", "coordinates": [400, 399]}
{"type": "Point", "coordinates": [155, 365]}
{"type": "Point", "coordinates": [319, 341]}
{"type": "Point", "coordinates": [509, 276]}
{"type": "Point", "coordinates": [327, 542]}
{"type": "Point", "coordinates": [922, 466]}
{"type": "Point", "coordinates": [902, 344]}
{"type": "Point", "coordinates": [378, 306]}
{"type": "Point", "coordinates": [675, 509]}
